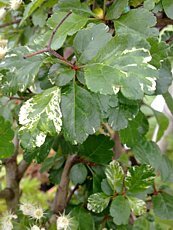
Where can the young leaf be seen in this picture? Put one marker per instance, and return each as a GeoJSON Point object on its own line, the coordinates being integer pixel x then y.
{"type": "Point", "coordinates": [98, 149]}
{"type": "Point", "coordinates": [163, 206]}
{"type": "Point", "coordinates": [137, 206]}
{"type": "Point", "coordinates": [120, 210]}
{"type": "Point", "coordinates": [22, 71]}
{"type": "Point", "coordinates": [90, 40]}
{"type": "Point", "coordinates": [143, 26]}
{"type": "Point", "coordinates": [81, 115]}
{"type": "Point", "coordinates": [98, 202]}
{"type": "Point", "coordinates": [70, 26]}
{"type": "Point", "coordinates": [6, 137]}
{"type": "Point", "coordinates": [40, 116]}
{"type": "Point", "coordinates": [115, 175]}
{"type": "Point", "coordinates": [139, 178]}
{"type": "Point", "coordinates": [78, 174]}
{"type": "Point", "coordinates": [116, 9]}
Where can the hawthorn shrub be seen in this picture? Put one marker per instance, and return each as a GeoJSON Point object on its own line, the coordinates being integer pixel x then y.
{"type": "Point", "coordinates": [77, 80]}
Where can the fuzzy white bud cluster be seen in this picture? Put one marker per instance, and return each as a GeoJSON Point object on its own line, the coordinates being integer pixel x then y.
{"type": "Point", "coordinates": [2, 13]}
{"type": "Point", "coordinates": [3, 48]}
{"type": "Point", "coordinates": [6, 221]}
{"type": "Point", "coordinates": [32, 211]}
{"type": "Point", "coordinates": [64, 222]}
{"type": "Point", "coordinates": [15, 4]}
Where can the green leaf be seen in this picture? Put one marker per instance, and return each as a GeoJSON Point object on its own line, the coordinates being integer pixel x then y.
{"type": "Point", "coordinates": [137, 206]}
{"type": "Point", "coordinates": [143, 26]}
{"type": "Point", "coordinates": [60, 75]}
{"type": "Point", "coordinates": [103, 78]}
{"type": "Point", "coordinates": [81, 115]}
{"type": "Point", "coordinates": [116, 9]}
{"type": "Point", "coordinates": [7, 135]}
{"type": "Point", "coordinates": [163, 206]}
{"type": "Point", "coordinates": [120, 210]}
{"type": "Point", "coordinates": [98, 202]}
{"type": "Point", "coordinates": [98, 149]}
{"type": "Point", "coordinates": [40, 116]}
{"type": "Point", "coordinates": [22, 71]}
{"type": "Point", "coordinates": [75, 5]}
{"type": "Point", "coordinates": [30, 8]}
{"type": "Point", "coordinates": [85, 219]}
{"type": "Point", "coordinates": [147, 152]}
{"type": "Point", "coordinates": [78, 174]}
{"type": "Point", "coordinates": [90, 40]}
{"type": "Point", "coordinates": [39, 154]}
{"type": "Point", "coordinates": [158, 50]}
{"type": "Point", "coordinates": [135, 131]}
{"type": "Point", "coordinates": [165, 78]}
{"type": "Point", "coordinates": [139, 178]}
{"type": "Point", "coordinates": [168, 8]}
{"type": "Point", "coordinates": [169, 101]}
{"type": "Point", "coordinates": [119, 116]}
{"type": "Point", "coordinates": [163, 123]}
{"type": "Point", "coordinates": [69, 27]}
{"type": "Point", "coordinates": [115, 176]}
{"type": "Point", "coordinates": [149, 4]}
{"type": "Point", "coordinates": [39, 17]}
{"type": "Point", "coordinates": [122, 65]}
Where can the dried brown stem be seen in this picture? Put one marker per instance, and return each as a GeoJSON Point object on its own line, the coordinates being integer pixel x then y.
{"type": "Point", "coordinates": [10, 23]}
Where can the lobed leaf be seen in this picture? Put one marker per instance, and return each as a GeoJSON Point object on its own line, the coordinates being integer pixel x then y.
{"type": "Point", "coordinates": [115, 176]}
{"type": "Point", "coordinates": [120, 210]}
{"type": "Point", "coordinates": [139, 178]}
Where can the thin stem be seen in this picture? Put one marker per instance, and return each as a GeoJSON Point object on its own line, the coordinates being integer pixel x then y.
{"type": "Point", "coordinates": [36, 53]}
{"type": "Point", "coordinates": [104, 7]}
{"type": "Point", "coordinates": [10, 23]}
{"type": "Point", "coordinates": [72, 192]}
{"type": "Point", "coordinates": [57, 27]}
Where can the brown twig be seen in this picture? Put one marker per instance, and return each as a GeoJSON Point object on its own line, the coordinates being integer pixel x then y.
{"type": "Point", "coordinates": [50, 50]}
{"type": "Point", "coordinates": [22, 167]}
{"type": "Point", "coordinates": [60, 200]}
{"type": "Point", "coordinates": [57, 27]}
{"type": "Point", "coordinates": [36, 53]}
{"type": "Point", "coordinates": [18, 98]}
{"type": "Point", "coordinates": [10, 23]}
